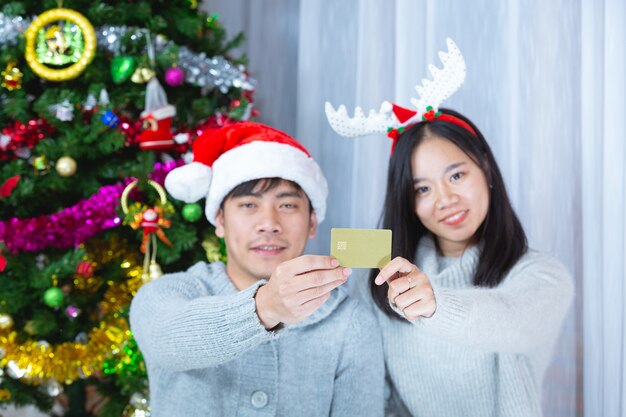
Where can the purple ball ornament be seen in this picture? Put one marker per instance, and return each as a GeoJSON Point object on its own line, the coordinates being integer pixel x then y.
{"type": "Point", "coordinates": [110, 119]}
{"type": "Point", "coordinates": [174, 76]}
{"type": "Point", "coordinates": [72, 312]}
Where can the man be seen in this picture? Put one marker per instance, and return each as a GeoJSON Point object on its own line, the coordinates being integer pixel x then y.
{"type": "Point", "coordinates": [271, 333]}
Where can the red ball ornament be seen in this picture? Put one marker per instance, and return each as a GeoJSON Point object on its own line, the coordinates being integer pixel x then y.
{"type": "Point", "coordinates": [174, 76]}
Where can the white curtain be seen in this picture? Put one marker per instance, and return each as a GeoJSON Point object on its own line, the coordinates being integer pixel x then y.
{"type": "Point", "coordinates": [545, 84]}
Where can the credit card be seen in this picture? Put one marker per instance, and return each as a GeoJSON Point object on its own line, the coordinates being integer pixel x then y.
{"type": "Point", "coordinates": [361, 248]}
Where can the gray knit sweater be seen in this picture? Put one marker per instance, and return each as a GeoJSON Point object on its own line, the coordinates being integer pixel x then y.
{"type": "Point", "coordinates": [208, 355]}
{"type": "Point", "coordinates": [485, 350]}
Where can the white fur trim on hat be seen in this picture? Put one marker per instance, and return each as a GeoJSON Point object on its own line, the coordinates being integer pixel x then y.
{"type": "Point", "coordinates": [261, 159]}
{"type": "Point", "coordinates": [160, 113]}
{"type": "Point", "coordinates": [190, 182]}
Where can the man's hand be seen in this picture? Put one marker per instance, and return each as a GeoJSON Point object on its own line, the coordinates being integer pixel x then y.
{"type": "Point", "coordinates": [297, 288]}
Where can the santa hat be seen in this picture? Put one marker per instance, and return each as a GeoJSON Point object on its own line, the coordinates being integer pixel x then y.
{"type": "Point", "coordinates": [232, 155]}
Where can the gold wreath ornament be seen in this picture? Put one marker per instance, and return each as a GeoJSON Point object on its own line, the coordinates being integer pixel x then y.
{"type": "Point", "coordinates": [151, 220]}
{"type": "Point", "coordinates": [47, 25]}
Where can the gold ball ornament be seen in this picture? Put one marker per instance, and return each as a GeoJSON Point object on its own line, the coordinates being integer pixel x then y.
{"type": "Point", "coordinates": [66, 166]}
{"type": "Point", "coordinates": [39, 35]}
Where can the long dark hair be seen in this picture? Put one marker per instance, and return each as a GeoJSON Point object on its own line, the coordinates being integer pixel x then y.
{"type": "Point", "coordinates": [501, 236]}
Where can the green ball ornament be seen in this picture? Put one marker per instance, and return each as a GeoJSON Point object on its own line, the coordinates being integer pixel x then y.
{"type": "Point", "coordinates": [54, 297]}
{"type": "Point", "coordinates": [192, 212]}
{"type": "Point", "coordinates": [122, 67]}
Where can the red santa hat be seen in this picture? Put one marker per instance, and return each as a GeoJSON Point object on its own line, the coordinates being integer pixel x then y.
{"type": "Point", "coordinates": [232, 155]}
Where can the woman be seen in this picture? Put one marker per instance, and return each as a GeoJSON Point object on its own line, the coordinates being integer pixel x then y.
{"type": "Point", "coordinates": [469, 314]}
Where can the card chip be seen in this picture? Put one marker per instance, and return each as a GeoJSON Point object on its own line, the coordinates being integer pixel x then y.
{"type": "Point", "coordinates": [342, 245]}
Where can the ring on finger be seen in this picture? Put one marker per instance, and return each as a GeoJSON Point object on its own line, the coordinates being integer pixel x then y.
{"type": "Point", "coordinates": [410, 282]}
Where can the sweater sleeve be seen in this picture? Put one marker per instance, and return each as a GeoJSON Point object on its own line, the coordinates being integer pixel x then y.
{"type": "Point", "coordinates": [179, 327]}
{"type": "Point", "coordinates": [359, 382]}
{"type": "Point", "coordinates": [523, 313]}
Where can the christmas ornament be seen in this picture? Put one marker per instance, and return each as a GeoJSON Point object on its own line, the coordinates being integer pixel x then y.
{"type": "Point", "coordinates": [12, 77]}
{"type": "Point", "coordinates": [110, 119]}
{"type": "Point", "coordinates": [3, 262]}
{"type": "Point", "coordinates": [51, 387]}
{"type": "Point", "coordinates": [66, 166]}
{"type": "Point", "coordinates": [142, 75]}
{"type": "Point", "coordinates": [54, 297]}
{"type": "Point", "coordinates": [6, 322]}
{"type": "Point", "coordinates": [41, 261]}
{"type": "Point", "coordinates": [122, 67]}
{"type": "Point", "coordinates": [7, 187]}
{"type": "Point", "coordinates": [30, 327]}
{"type": "Point", "coordinates": [85, 269]}
{"type": "Point", "coordinates": [63, 111]}
{"type": "Point", "coordinates": [174, 76]}
{"type": "Point", "coordinates": [192, 212]}
{"type": "Point", "coordinates": [40, 164]}
{"type": "Point", "coordinates": [72, 312]}
{"type": "Point", "coordinates": [157, 119]}
{"type": "Point", "coordinates": [73, 225]}
{"type": "Point", "coordinates": [151, 220]}
{"type": "Point", "coordinates": [214, 248]}
{"type": "Point", "coordinates": [61, 38]}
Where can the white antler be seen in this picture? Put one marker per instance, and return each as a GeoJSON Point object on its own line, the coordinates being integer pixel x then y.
{"type": "Point", "coordinates": [445, 81]}
{"type": "Point", "coordinates": [359, 125]}
{"type": "Point", "coordinates": [431, 93]}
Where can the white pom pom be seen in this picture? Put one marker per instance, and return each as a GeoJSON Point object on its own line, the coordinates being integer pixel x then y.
{"type": "Point", "coordinates": [189, 183]}
{"type": "Point", "coordinates": [386, 107]}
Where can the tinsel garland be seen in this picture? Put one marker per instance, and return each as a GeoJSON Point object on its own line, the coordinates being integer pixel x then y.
{"type": "Point", "coordinates": [72, 225]}
{"type": "Point", "coordinates": [200, 70]}
{"type": "Point", "coordinates": [36, 361]}
{"type": "Point", "coordinates": [66, 228]}
{"type": "Point", "coordinates": [18, 136]}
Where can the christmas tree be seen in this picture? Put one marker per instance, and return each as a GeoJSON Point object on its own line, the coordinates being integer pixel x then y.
{"type": "Point", "coordinates": [100, 100]}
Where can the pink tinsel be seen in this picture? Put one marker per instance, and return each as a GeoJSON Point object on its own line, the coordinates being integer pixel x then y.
{"type": "Point", "coordinates": [73, 225]}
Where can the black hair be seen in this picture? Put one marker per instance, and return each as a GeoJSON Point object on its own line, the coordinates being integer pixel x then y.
{"type": "Point", "coordinates": [501, 236]}
{"type": "Point", "coordinates": [262, 185]}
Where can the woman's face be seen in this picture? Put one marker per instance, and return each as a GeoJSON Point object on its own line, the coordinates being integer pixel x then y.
{"type": "Point", "coordinates": [451, 193]}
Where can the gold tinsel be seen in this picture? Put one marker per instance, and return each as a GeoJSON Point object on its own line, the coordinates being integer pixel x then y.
{"type": "Point", "coordinates": [37, 361]}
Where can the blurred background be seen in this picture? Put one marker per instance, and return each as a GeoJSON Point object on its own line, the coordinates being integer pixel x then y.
{"type": "Point", "coordinates": [545, 84]}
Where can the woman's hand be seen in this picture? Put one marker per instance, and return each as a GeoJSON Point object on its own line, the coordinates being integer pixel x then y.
{"type": "Point", "coordinates": [409, 288]}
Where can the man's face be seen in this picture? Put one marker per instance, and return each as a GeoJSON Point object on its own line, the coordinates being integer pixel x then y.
{"type": "Point", "coordinates": [263, 229]}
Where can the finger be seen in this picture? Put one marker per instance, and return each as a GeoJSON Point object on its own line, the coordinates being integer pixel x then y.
{"type": "Point", "coordinates": [306, 263]}
{"type": "Point", "coordinates": [395, 266]}
{"type": "Point", "coordinates": [422, 293]}
{"type": "Point", "coordinates": [420, 309]}
{"type": "Point", "coordinates": [400, 285]}
{"type": "Point", "coordinates": [314, 279]}
{"type": "Point", "coordinates": [307, 295]}
{"type": "Point", "coordinates": [407, 298]}
{"type": "Point", "coordinates": [311, 306]}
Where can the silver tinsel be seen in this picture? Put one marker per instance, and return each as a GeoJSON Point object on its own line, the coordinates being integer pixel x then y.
{"type": "Point", "coordinates": [199, 69]}
{"type": "Point", "coordinates": [11, 27]}
{"type": "Point", "coordinates": [14, 371]}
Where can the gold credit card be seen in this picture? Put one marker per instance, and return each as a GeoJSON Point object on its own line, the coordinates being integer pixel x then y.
{"type": "Point", "coordinates": [361, 248]}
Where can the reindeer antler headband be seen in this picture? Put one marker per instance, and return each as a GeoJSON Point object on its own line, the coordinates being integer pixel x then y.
{"type": "Point", "coordinates": [394, 119]}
